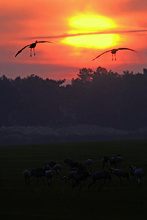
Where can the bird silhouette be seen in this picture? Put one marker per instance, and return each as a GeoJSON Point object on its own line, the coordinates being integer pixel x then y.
{"type": "Point", "coordinates": [31, 46]}
{"type": "Point", "coordinates": [113, 51]}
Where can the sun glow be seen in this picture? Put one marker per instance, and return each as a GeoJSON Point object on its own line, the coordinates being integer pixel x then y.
{"type": "Point", "coordinates": [96, 41]}
{"type": "Point", "coordinates": [91, 21]}
{"type": "Point", "coordinates": [91, 24]}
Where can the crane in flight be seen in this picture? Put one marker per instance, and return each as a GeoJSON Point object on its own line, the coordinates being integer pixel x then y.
{"type": "Point", "coordinates": [113, 51]}
{"type": "Point", "coordinates": [32, 47]}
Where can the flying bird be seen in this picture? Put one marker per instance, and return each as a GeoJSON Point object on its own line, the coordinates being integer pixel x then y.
{"type": "Point", "coordinates": [32, 46]}
{"type": "Point", "coordinates": [113, 51]}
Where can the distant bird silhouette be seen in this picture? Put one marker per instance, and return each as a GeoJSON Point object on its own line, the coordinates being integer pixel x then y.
{"type": "Point", "coordinates": [113, 51]}
{"type": "Point", "coordinates": [32, 46]}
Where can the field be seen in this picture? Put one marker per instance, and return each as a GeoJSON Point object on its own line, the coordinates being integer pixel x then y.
{"type": "Point", "coordinates": [116, 200]}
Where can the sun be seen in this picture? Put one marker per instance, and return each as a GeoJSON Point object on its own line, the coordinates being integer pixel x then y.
{"type": "Point", "coordinates": [91, 21]}
{"type": "Point", "coordinates": [97, 41]}
{"type": "Point", "coordinates": [91, 24]}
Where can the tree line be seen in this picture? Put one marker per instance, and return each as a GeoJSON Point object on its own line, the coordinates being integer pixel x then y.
{"type": "Point", "coordinates": [100, 97]}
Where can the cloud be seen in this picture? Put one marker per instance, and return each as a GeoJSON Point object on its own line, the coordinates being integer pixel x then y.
{"type": "Point", "coordinates": [90, 33]}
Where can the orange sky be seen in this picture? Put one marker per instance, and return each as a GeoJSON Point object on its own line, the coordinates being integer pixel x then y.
{"type": "Point", "coordinates": [24, 22]}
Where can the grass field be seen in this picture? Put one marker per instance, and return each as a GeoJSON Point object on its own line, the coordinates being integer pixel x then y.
{"type": "Point", "coordinates": [116, 200]}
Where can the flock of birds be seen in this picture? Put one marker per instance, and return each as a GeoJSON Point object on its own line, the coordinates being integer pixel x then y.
{"type": "Point", "coordinates": [79, 172]}
{"type": "Point", "coordinates": [33, 45]}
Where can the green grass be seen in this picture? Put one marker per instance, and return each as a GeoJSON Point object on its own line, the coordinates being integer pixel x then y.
{"type": "Point", "coordinates": [60, 201]}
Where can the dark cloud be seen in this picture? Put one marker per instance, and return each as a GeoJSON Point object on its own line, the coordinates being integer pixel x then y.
{"type": "Point", "coordinates": [90, 33]}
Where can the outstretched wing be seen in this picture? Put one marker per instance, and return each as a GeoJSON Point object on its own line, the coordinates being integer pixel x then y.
{"type": "Point", "coordinates": [101, 54]}
{"type": "Point", "coordinates": [125, 48]}
{"type": "Point", "coordinates": [22, 49]}
{"type": "Point", "coordinates": [43, 41]}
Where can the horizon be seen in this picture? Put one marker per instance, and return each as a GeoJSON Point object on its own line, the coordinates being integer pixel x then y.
{"type": "Point", "coordinates": [69, 82]}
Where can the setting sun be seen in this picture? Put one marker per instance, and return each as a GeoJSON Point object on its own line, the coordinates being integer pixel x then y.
{"type": "Point", "coordinates": [96, 41]}
{"type": "Point", "coordinates": [91, 24]}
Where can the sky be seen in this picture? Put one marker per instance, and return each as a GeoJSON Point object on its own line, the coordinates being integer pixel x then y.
{"type": "Point", "coordinates": [79, 30]}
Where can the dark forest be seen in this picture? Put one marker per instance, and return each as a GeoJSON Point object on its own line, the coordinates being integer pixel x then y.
{"type": "Point", "coordinates": [100, 97]}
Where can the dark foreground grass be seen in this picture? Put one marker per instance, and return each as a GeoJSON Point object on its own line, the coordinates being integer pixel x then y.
{"type": "Point", "coordinates": [60, 201]}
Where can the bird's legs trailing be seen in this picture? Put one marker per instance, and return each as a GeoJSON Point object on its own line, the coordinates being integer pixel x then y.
{"type": "Point", "coordinates": [114, 56]}
{"type": "Point", "coordinates": [34, 51]}
{"type": "Point", "coordinates": [31, 52]}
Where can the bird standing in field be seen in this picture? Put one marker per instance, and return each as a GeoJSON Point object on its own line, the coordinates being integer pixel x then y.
{"type": "Point", "coordinates": [31, 46]}
{"type": "Point", "coordinates": [113, 51]}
